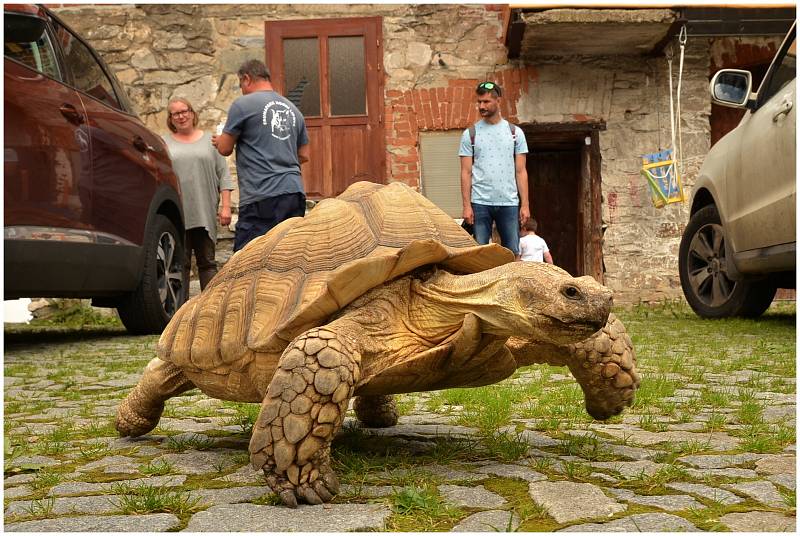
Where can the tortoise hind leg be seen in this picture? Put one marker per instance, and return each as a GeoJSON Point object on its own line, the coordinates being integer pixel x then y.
{"type": "Point", "coordinates": [379, 411]}
{"type": "Point", "coordinates": [140, 411]}
{"type": "Point", "coordinates": [305, 405]}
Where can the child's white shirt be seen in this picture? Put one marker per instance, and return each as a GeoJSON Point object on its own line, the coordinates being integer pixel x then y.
{"type": "Point", "coordinates": [532, 248]}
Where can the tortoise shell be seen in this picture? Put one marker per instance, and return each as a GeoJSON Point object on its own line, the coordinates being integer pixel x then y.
{"type": "Point", "coordinates": [305, 269]}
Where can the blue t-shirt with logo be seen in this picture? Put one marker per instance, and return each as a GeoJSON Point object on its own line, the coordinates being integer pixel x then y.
{"type": "Point", "coordinates": [268, 130]}
{"type": "Point", "coordinates": [494, 177]}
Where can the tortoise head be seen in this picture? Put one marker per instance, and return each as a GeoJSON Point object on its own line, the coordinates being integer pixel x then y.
{"type": "Point", "coordinates": [541, 302]}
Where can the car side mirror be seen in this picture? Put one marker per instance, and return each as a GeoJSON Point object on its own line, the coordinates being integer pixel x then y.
{"type": "Point", "coordinates": [731, 87]}
{"type": "Point", "coordinates": [22, 28]}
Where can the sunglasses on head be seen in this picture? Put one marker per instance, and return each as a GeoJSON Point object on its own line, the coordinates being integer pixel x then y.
{"type": "Point", "coordinates": [491, 86]}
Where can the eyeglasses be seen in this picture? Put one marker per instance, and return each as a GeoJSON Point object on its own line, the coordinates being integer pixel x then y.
{"type": "Point", "coordinates": [491, 86]}
{"type": "Point", "coordinates": [180, 113]}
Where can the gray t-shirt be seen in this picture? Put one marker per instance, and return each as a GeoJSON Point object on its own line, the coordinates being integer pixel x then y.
{"type": "Point", "coordinates": [494, 175]}
{"type": "Point", "coordinates": [202, 173]}
{"type": "Point", "coordinates": [268, 130]}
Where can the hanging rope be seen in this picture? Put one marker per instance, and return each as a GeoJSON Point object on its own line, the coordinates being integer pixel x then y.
{"type": "Point", "coordinates": [679, 156]}
{"type": "Point", "coordinates": [663, 170]}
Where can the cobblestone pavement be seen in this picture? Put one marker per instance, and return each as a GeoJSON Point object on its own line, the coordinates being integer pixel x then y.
{"type": "Point", "coordinates": [66, 470]}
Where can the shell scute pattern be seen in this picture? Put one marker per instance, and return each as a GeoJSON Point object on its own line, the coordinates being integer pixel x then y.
{"type": "Point", "coordinates": [241, 301]}
{"type": "Point", "coordinates": [204, 350]}
{"type": "Point", "coordinates": [337, 232]}
{"type": "Point", "coordinates": [271, 297]}
{"type": "Point", "coordinates": [175, 342]}
{"type": "Point", "coordinates": [305, 269]}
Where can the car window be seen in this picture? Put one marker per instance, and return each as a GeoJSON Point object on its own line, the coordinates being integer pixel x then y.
{"type": "Point", "coordinates": [21, 44]}
{"type": "Point", "coordinates": [87, 73]}
{"type": "Point", "coordinates": [783, 73]}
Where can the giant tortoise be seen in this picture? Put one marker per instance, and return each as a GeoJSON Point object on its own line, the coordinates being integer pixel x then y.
{"type": "Point", "coordinates": [373, 293]}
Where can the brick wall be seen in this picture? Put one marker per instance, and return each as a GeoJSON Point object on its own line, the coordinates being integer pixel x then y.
{"type": "Point", "coordinates": [441, 108]}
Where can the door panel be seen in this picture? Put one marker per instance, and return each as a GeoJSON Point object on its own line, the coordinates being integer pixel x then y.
{"type": "Point", "coordinates": [765, 196]}
{"type": "Point", "coordinates": [332, 68]}
{"type": "Point", "coordinates": [348, 155]}
{"type": "Point", "coordinates": [123, 172]}
{"type": "Point", "coordinates": [554, 184]}
{"type": "Point", "coordinates": [312, 171]}
{"type": "Point", "coordinates": [761, 185]}
{"type": "Point", "coordinates": [44, 153]}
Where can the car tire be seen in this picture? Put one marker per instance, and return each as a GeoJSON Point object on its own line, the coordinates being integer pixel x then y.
{"type": "Point", "coordinates": [163, 288]}
{"type": "Point", "coordinates": [703, 269]}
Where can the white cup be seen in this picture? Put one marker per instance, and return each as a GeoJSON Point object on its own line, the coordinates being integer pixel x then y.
{"type": "Point", "coordinates": [220, 128]}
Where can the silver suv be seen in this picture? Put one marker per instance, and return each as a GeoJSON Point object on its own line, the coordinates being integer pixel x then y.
{"type": "Point", "coordinates": [739, 245]}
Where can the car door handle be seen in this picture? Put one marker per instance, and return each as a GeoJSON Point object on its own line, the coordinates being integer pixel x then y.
{"type": "Point", "coordinates": [785, 108]}
{"type": "Point", "coordinates": [71, 114]}
{"type": "Point", "coordinates": [141, 145]}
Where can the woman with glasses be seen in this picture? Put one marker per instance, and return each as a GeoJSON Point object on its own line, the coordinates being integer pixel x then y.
{"type": "Point", "coordinates": [204, 175]}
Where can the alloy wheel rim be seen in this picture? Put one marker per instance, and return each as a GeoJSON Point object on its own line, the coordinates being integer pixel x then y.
{"type": "Point", "coordinates": [707, 266]}
{"type": "Point", "coordinates": [170, 277]}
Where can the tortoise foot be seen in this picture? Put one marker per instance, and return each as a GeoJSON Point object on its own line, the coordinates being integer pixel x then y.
{"type": "Point", "coordinates": [140, 411]}
{"type": "Point", "coordinates": [605, 366]}
{"type": "Point", "coordinates": [376, 411]}
{"type": "Point", "coordinates": [305, 405]}
{"type": "Point", "coordinates": [316, 485]}
{"type": "Point", "coordinates": [132, 423]}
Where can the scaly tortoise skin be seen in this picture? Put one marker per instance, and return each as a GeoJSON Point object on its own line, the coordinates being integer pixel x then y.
{"type": "Point", "coordinates": [373, 293]}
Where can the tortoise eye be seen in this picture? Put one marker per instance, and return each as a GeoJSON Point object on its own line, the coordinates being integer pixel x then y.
{"type": "Point", "coordinates": [571, 292]}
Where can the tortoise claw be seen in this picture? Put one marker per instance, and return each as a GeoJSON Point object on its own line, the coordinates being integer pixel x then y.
{"type": "Point", "coordinates": [322, 491]}
{"type": "Point", "coordinates": [308, 493]}
{"type": "Point", "coordinates": [330, 481]}
{"type": "Point", "coordinates": [287, 498]}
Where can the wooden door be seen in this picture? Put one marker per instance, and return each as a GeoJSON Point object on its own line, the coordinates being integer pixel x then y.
{"type": "Point", "coordinates": [332, 70]}
{"type": "Point", "coordinates": [554, 183]}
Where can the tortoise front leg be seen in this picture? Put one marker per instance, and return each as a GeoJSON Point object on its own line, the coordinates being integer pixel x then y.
{"type": "Point", "coordinates": [604, 365]}
{"type": "Point", "coordinates": [305, 405]}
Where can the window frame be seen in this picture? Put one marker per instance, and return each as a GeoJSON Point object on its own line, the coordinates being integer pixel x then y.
{"type": "Point", "coordinates": [763, 97]}
{"type": "Point", "coordinates": [124, 103]}
{"type": "Point", "coordinates": [62, 71]}
{"type": "Point", "coordinates": [97, 62]}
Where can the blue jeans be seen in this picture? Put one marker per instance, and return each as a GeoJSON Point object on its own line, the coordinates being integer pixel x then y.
{"type": "Point", "coordinates": [255, 219]}
{"type": "Point", "coordinates": [507, 220]}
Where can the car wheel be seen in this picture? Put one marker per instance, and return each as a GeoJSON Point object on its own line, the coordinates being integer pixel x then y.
{"type": "Point", "coordinates": [703, 269]}
{"type": "Point", "coordinates": [162, 289]}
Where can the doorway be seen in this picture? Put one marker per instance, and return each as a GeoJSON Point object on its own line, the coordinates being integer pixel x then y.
{"type": "Point", "coordinates": [564, 188]}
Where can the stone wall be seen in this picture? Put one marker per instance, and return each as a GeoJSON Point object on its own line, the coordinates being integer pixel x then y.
{"type": "Point", "coordinates": [433, 57]}
{"type": "Point", "coordinates": [162, 51]}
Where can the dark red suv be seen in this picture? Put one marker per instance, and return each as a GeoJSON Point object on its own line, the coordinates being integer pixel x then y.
{"type": "Point", "coordinates": [92, 205]}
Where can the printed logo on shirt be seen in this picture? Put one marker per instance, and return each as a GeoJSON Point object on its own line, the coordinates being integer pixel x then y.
{"type": "Point", "coordinates": [280, 118]}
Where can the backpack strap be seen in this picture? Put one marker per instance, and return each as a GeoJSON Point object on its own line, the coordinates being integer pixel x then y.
{"type": "Point", "coordinates": [511, 127]}
{"type": "Point", "coordinates": [472, 138]}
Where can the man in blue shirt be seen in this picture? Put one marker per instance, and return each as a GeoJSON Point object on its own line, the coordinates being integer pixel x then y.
{"type": "Point", "coordinates": [271, 141]}
{"type": "Point", "coordinates": [494, 180]}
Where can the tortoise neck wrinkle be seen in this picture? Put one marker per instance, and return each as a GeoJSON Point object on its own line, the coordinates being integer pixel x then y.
{"type": "Point", "coordinates": [444, 299]}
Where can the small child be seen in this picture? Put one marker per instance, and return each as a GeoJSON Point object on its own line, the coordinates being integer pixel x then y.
{"type": "Point", "coordinates": [532, 247]}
